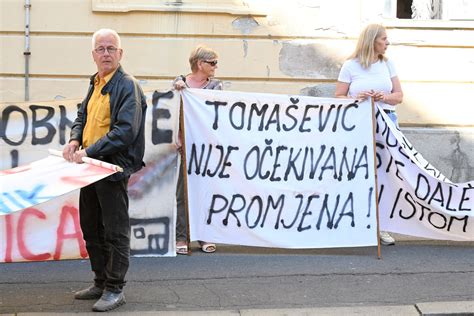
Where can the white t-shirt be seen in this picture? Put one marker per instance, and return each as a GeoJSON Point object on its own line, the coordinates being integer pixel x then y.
{"type": "Point", "coordinates": [377, 77]}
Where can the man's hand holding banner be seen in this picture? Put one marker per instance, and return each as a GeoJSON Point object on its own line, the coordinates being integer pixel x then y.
{"type": "Point", "coordinates": [46, 179]}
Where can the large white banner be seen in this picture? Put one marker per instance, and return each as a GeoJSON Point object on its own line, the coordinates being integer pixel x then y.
{"type": "Point", "coordinates": [279, 171]}
{"type": "Point", "coordinates": [415, 198]}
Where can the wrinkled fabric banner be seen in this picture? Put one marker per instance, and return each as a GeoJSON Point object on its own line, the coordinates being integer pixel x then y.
{"type": "Point", "coordinates": [414, 197]}
{"type": "Point", "coordinates": [279, 171]}
{"type": "Point", "coordinates": [38, 209]}
{"type": "Point", "coordinates": [44, 180]}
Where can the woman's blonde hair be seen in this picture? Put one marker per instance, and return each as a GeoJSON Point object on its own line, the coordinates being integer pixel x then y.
{"type": "Point", "coordinates": [364, 51]}
{"type": "Point", "coordinates": [201, 52]}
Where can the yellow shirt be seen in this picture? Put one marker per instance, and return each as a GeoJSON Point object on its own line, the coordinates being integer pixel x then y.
{"type": "Point", "coordinates": [98, 113]}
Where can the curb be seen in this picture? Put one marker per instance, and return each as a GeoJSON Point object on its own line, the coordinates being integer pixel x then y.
{"type": "Point", "coordinates": [460, 308]}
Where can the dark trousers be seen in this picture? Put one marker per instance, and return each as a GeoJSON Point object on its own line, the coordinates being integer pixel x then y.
{"type": "Point", "coordinates": [181, 227]}
{"type": "Point", "coordinates": [105, 224]}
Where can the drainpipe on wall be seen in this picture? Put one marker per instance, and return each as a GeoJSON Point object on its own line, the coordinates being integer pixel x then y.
{"type": "Point", "coordinates": [27, 52]}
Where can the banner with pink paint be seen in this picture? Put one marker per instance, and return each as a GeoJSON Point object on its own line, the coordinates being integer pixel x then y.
{"type": "Point", "coordinates": [46, 179]}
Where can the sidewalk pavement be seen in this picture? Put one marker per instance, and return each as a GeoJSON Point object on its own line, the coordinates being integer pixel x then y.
{"type": "Point", "coordinates": [462, 308]}
{"type": "Point", "coordinates": [414, 278]}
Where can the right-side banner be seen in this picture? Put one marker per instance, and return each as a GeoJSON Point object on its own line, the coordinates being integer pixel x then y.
{"type": "Point", "coordinates": [414, 197]}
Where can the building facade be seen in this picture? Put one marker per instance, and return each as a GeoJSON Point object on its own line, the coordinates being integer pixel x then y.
{"type": "Point", "coordinates": [288, 47]}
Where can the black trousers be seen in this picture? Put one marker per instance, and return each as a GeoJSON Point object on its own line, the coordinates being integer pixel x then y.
{"type": "Point", "coordinates": [181, 227]}
{"type": "Point", "coordinates": [105, 224]}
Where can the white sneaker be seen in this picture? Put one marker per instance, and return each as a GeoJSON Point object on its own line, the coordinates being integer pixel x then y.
{"type": "Point", "coordinates": [386, 239]}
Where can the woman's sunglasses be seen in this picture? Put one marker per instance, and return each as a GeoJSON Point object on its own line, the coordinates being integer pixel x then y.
{"type": "Point", "coordinates": [211, 62]}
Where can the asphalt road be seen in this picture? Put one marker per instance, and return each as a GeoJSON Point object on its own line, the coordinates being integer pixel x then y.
{"type": "Point", "coordinates": [244, 277]}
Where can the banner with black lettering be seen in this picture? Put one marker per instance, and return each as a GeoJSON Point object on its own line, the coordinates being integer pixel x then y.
{"type": "Point", "coordinates": [51, 230]}
{"type": "Point", "coordinates": [414, 197]}
{"type": "Point", "coordinates": [279, 171]}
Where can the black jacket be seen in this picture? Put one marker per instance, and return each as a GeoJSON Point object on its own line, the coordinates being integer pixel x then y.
{"type": "Point", "coordinates": [124, 144]}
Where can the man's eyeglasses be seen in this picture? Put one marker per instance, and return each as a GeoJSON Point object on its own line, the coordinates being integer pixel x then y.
{"type": "Point", "coordinates": [101, 50]}
{"type": "Point", "coordinates": [211, 62]}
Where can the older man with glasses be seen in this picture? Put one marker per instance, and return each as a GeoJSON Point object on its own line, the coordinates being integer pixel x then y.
{"type": "Point", "coordinates": [110, 127]}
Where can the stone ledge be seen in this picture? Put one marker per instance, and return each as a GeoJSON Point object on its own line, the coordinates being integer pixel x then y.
{"type": "Point", "coordinates": [461, 308]}
{"type": "Point", "coordinates": [406, 310]}
{"type": "Point", "coordinates": [195, 6]}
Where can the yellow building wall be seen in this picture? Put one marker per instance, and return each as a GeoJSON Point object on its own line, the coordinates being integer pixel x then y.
{"type": "Point", "coordinates": [289, 47]}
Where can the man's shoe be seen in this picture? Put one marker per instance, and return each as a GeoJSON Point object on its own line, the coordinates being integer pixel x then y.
{"type": "Point", "coordinates": [109, 301]}
{"type": "Point", "coordinates": [386, 239]}
{"type": "Point", "coordinates": [91, 293]}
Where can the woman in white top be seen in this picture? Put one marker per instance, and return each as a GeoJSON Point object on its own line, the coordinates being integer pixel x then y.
{"type": "Point", "coordinates": [368, 73]}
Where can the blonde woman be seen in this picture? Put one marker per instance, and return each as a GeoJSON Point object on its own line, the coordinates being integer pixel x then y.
{"type": "Point", "coordinates": [203, 62]}
{"type": "Point", "coordinates": [368, 73]}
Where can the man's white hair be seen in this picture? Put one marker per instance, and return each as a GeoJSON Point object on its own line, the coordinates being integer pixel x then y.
{"type": "Point", "coordinates": [102, 32]}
